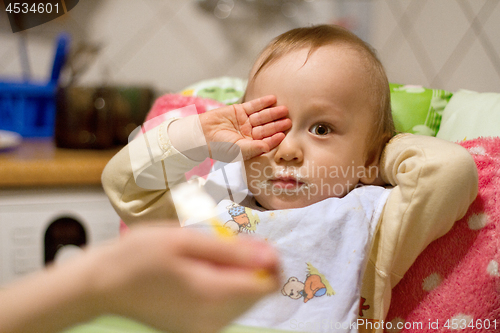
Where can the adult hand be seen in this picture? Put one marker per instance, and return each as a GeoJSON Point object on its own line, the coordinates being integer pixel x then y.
{"type": "Point", "coordinates": [173, 279]}
{"type": "Point", "coordinates": [180, 280]}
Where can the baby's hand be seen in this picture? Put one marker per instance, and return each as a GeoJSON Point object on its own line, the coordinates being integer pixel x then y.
{"type": "Point", "coordinates": [255, 126]}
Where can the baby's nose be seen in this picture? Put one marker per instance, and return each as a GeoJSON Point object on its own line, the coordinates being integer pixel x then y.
{"type": "Point", "coordinates": [289, 150]}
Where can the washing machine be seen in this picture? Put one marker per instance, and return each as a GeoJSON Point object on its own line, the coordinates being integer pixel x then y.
{"type": "Point", "coordinates": [40, 227]}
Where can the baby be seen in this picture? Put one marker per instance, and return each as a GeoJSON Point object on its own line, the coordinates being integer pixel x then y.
{"type": "Point", "coordinates": [337, 96]}
{"type": "Point", "coordinates": [311, 131]}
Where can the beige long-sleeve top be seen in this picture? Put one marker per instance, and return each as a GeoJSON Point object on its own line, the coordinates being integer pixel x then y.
{"type": "Point", "coordinates": [434, 182]}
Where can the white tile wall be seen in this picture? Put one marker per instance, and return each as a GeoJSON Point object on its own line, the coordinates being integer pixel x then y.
{"type": "Point", "coordinates": [171, 44]}
{"type": "Point", "coordinates": [440, 44]}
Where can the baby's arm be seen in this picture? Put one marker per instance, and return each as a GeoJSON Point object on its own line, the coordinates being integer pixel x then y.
{"type": "Point", "coordinates": [148, 198]}
{"type": "Point", "coordinates": [255, 127]}
{"type": "Point", "coordinates": [436, 182]}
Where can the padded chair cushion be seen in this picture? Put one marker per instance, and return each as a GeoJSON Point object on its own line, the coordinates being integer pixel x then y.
{"type": "Point", "coordinates": [455, 282]}
{"type": "Point", "coordinates": [416, 109]}
{"type": "Point", "coordinates": [470, 115]}
{"type": "Point", "coordinates": [227, 90]}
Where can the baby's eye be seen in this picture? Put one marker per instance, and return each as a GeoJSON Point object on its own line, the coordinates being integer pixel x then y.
{"type": "Point", "coordinates": [320, 129]}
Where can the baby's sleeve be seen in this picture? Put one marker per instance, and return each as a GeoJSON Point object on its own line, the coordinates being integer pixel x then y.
{"type": "Point", "coordinates": [435, 182]}
{"type": "Point", "coordinates": [137, 178]}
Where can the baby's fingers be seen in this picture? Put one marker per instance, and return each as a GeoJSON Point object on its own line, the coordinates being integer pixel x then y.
{"type": "Point", "coordinates": [270, 129]}
{"type": "Point", "coordinates": [274, 140]}
{"type": "Point", "coordinates": [268, 115]}
{"type": "Point", "coordinates": [258, 104]}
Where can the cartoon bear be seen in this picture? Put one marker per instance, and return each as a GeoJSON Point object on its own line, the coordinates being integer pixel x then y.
{"type": "Point", "coordinates": [293, 288]}
{"type": "Point", "coordinates": [312, 287]}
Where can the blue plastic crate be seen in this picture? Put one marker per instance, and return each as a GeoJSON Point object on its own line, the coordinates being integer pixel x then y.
{"type": "Point", "coordinates": [29, 108]}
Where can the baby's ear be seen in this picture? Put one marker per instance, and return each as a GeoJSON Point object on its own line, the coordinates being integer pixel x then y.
{"type": "Point", "coordinates": [371, 174]}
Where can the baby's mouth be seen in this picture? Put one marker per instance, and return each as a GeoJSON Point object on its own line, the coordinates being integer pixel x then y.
{"type": "Point", "coordinates": [286, 183]}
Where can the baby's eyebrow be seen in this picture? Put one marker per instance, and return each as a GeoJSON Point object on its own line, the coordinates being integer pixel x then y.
{"type": "Point", "coordinates": [324, 109]}
{"type": "Point", "coordinates": [319, 105]}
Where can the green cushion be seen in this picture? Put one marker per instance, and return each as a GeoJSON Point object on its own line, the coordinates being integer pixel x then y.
{"type": "Point", "coordinates": [114, 324]}
{"type": "Point", "coordinates": [470, 115]}
{"type": "Point", "coordinates": [227, 90]}
{"type": "Point", "coordinates": [111, 324]}
{"type": "Point", "coordinates": [416, 109]}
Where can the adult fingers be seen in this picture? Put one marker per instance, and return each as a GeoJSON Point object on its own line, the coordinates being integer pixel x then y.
{"type": "Point", "coordinates": [237, 251]}
{"type": "Point", "coordinates": [230, 281]}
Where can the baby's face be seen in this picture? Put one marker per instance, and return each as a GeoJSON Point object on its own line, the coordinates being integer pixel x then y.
{"type": "Point", "coordinates": [323, 154]}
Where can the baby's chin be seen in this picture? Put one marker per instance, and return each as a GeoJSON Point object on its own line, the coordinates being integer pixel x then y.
{"type": "Point", "coordinates": [287, 202]}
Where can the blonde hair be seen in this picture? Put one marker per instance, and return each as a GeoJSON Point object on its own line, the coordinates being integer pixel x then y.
{"type": "Point", "coordinates": [317, 36]}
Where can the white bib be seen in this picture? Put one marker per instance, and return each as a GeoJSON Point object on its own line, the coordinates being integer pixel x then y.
{"type": "Point", "coordinates": [324, 249]}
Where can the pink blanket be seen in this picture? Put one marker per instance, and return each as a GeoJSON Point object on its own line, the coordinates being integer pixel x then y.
{"type": "Point", "coordinates": [455, 283]}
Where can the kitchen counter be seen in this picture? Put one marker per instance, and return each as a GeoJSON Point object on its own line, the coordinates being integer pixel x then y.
{"type": "Point", "coordinates": [38, 162]}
